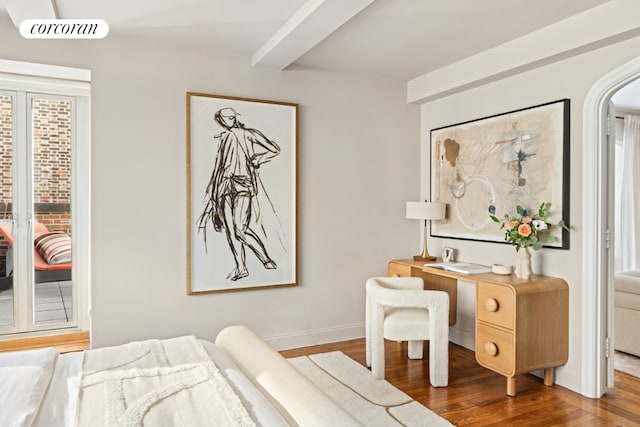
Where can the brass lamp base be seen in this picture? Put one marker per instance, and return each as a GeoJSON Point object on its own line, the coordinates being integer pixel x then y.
{"type": "Point", "coordinates": [425, 255]}
{"type": "Point", "coordinates": [421, 258]}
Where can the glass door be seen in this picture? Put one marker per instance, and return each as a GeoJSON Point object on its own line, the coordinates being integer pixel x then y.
{"type": "Point", "coordinates": [7, 120]}
{"type": "Point", "coordinates": [37, 291]}
{"type": "Point", "coordinates": [51, 130]}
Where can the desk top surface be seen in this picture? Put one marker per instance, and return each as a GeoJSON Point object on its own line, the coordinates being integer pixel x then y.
{"type": "Point", "coordinates": [510, 279]}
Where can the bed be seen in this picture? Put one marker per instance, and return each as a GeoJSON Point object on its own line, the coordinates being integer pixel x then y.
{"type": "Point", "coordinates": [237, 381]}
{"type": "Point", "coordinates": [51, 255]}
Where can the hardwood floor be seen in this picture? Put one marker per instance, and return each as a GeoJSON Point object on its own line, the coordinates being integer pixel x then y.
{"type": "Point", "coordinates": [477, 397]}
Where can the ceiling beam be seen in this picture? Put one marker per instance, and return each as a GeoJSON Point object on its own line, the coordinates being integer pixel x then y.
{"type": "Point", "coordinates": [19, 10]}
{"type": "Point", "coordinates": [609, 23]}
{"type": "Point", "coordinates": [305, 29]}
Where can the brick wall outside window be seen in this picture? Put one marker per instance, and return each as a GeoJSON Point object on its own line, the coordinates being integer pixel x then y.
{"type": "Point", "coordinates": [51, 166]}
{"type": "Point", "coordinates": [5, 149]}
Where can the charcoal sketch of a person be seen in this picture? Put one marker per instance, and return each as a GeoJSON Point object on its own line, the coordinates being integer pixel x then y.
{"type": "Point", "coordinates": [232, 204]}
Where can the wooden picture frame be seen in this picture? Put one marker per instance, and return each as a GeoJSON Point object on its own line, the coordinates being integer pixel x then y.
{"type": "Point", "coordinates": [241, 193]}
{"type": "Point", "coordinates": [490, 165]}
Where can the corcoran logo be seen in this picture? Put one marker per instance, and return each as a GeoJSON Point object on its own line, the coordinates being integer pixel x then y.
{"type": "Point", "coordinates": [64, 28]}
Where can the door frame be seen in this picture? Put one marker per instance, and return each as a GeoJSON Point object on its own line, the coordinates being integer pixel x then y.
{"type": "Point", "coordinates": [597, 287]}
{"type": "Point", "coordinates": [71, 82]}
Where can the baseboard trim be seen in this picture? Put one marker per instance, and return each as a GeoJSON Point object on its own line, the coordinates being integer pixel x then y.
{"type": "Point", "coordinates": [315, 336]}
{"type": "Point", "coordinates": [463, 338]}
{"type": "Point", "coordinates": [567, 379]}
{"type": "Point", "coordinates": [300, 339]}
{"type": "Point", "coordinates": [348, 332]}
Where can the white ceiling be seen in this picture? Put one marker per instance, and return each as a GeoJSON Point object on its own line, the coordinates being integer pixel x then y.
{"type": "Point", "coordinates": [403, 39]}
{"type": "Point", "coordinates": [398, 39]}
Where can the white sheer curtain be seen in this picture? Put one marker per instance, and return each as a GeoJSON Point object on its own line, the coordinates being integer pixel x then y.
{"type": "Point", "coordinates": [630, 195]}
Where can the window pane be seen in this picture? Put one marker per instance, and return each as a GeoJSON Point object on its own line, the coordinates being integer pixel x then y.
{"type": "Point", "coordinates": [6, 259]}
{"type": "Point", "coordinates": [51, 126]}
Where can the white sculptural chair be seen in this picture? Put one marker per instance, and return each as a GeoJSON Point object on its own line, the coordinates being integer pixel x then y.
{"type": "Point", "coordinates": [399, 309]}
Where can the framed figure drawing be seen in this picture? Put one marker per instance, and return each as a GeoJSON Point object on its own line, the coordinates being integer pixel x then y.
{"type": "Point", "coordinates": [242, 193]}
{"type": "Point", "coordinates": [490, 165]}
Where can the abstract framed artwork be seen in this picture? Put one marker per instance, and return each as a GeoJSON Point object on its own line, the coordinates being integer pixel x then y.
{"type": "Point", "coordinates": [490, 165]}
{"type": "Point", "coordinates": [241, 193]}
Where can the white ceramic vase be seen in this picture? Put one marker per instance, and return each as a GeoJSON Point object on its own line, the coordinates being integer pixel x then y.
{"type": "Point", "coordinates": [523, 264]}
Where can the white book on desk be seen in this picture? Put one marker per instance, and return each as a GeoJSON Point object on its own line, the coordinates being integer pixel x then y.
{"type": "Point", "coordinates": [461, 267]}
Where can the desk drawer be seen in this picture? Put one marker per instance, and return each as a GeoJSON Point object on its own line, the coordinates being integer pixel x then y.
{"type": "Point", "coordinates": [494, 349]}
{"type": "Point", "coordinates": [396, 269]}
{"type": "Point", "coordinates": [495, 304]}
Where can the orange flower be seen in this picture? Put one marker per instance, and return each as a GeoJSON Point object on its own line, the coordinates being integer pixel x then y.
{"type": "Point", "coordinates": [524, 230]}
{"type": "Point", "coordinates": [512, 224]}
{"type": "Point", "coordinates": [526, 219]}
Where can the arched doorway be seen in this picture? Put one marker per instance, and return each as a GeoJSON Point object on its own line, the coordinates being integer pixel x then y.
{"type": "Point", "coordinates": [597, 259]}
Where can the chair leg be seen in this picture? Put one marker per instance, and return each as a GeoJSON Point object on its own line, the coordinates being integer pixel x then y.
{"type": "Point", "coordinates": [439, 362]}
{"type": "Point", "coordinates": [376, 347]}
{"type": "Point", "coordinates": [377, 360]}
{"type": "Point", "coordinates": [415, 349]}
{"type": "Point", "coordinates": [368, 324]}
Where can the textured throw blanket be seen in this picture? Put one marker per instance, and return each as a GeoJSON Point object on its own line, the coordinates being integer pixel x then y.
{"type": "Point", "coordinates": [156, 383]}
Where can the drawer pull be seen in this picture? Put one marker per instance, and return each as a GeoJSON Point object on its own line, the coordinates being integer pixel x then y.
{"type": "Point", "coordinates": [491, 349]}
{"type": "Point", "coordinates": [491, 304]}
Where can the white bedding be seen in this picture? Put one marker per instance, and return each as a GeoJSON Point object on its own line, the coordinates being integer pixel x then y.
{"type": "Point", "coordinates": [59, 404]}
{"type": "Point", "coordinates": [59, 378]}
{"type": "Point", "coordinates": [24, 380]}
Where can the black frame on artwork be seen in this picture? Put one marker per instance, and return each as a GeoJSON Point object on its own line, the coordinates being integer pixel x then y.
{"type": "Point", "coordinates": [518, 157]}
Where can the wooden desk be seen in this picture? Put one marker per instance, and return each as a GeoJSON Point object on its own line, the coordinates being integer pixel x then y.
{"type": "Point", "coordinates": [521, 325]}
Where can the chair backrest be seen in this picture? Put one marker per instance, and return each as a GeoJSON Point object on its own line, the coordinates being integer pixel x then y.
{"type": "Point", "coordinates": [405, 283]}
{"type": "Point", "coordinates": [404, 292]}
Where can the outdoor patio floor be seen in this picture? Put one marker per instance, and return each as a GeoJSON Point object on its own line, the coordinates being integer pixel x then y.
{"type": "Point", "coordinates": [53, 304]}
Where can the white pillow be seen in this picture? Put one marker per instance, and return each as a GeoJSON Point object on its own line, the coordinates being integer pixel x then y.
{"type": "Point", "coordinates": [24, 379]}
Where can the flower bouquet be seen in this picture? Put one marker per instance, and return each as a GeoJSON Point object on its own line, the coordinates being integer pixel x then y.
{"type": "Point", "coordinates": [525, 230]}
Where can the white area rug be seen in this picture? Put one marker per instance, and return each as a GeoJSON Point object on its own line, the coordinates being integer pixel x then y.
{"type": "Point", "coordinates": [373, 402]}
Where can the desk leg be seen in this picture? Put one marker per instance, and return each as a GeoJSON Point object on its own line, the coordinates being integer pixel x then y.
{"type": "Point", "coordinates": [548, 376]}
{"type": "Point", "coordinates": [511, 386]}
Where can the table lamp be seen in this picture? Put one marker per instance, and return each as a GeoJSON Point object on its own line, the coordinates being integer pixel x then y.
{"type": "Point", "coordinates": [426, 211]}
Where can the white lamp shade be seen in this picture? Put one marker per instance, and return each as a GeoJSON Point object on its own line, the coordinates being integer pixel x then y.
{"type": "Point", "coordinates": [425, 210]}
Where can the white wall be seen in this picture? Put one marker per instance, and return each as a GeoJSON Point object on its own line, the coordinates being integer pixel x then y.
{"type": "Point", "coordinates": [358, 163]}
{"type": "Point", "coordinates": [571, 78]}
